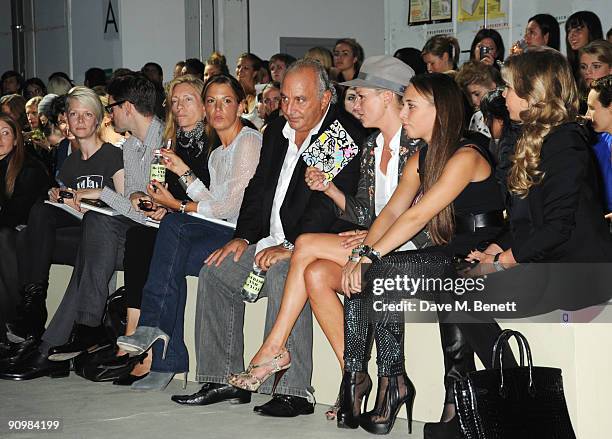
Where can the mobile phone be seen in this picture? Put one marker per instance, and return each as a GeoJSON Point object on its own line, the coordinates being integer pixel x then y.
{"type": "Point", "coordinates": [145, 205]}
{"type": "Point", "coordinates": [484, 50]}
{"type": "Point", "coordinates": [66, 194]}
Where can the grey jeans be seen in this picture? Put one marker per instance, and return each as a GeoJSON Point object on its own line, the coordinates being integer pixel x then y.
{"type": "Point", "coordinates": [220, 320]}
{"type": "Point", "coordinates": [100, 254]}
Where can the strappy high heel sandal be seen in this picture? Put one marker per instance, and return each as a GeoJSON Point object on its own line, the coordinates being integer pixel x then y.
{"type": "Point", "coordinates": [332, 413]}
{"type": "Point", "coordinates": [248, 381]}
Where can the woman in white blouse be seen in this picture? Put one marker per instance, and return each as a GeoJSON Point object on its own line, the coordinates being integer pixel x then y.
{"type": "Point", "coordinates": [184, 241]}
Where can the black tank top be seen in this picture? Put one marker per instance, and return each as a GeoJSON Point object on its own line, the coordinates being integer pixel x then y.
{"type": "Point", "coordinates": [477, 197]}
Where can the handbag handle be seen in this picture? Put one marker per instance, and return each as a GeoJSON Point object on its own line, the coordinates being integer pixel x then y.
{"type": "Point", "coordinates": [503, 338]}
{"type": "Point", "coordinates": [499, 346]}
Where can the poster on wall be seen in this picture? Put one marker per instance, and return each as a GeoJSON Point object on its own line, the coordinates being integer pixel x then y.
{"type": "Point", "coordinates": [419, 12]}
{"type": "Point", "coordinates": [474, 10]}
{"type": "Point", "coordinates": [441, 10]}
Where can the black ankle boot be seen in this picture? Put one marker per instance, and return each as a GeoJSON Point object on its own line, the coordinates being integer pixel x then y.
{"type": "Point", "coordinates": [355, 387]}
{"type": "Point", "coordinates": [393, 392]}
{"type": "Point", "coordinates": [31, 313]}
{"type": "Point", "coordinates": [442, 430]}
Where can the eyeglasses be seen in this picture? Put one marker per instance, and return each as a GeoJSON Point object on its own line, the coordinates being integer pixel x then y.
{"type": "Point", "coordinates": [109, 107]}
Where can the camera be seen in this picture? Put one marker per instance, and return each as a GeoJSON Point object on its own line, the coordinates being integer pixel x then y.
{"type": "Point", "coordinates": [484, 50]}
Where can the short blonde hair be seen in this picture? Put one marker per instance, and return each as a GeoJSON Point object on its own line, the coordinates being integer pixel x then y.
{"type": "Point", "coordinates": [543, 77]}
{"type": "Point", "coordinates": [88, 98]}
{"type": "Point", "coordinates": [33, 102]}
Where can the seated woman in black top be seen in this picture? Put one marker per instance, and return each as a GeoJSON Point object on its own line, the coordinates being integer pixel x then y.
{"type": "Point", "coordinates": [23, 181]}
{"type": "Point", "coordinates": [448, 188]}
{"type": "Point", "coordinates": [53, 234]}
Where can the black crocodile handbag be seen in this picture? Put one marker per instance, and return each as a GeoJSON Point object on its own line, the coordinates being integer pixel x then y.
{"type": "Point", "coordinates": [523, 402]}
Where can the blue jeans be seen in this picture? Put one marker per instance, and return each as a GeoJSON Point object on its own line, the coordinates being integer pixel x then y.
{"type": "Point", "coordinates": [182, 244]}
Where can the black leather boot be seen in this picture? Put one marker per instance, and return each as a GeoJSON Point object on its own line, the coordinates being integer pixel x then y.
{"type": "Point", "coordinates": [31, 313]}
{"type": "Point", "coordinates": [354, 389]}
{"type": "Point", "coordinates": [458, 362]}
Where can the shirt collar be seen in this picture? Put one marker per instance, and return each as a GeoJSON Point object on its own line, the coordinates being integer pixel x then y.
{"type": "Point", "coordinates": [395, 141]}
{"type": "Point", "coordinates": [289, 132]}
{"type": "Point", "coordinates": [153, 137]}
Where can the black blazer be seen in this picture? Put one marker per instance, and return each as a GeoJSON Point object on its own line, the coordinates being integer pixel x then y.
{"type": "Point", "coordinates": [562, 219]}
{"type": "Point", "coordinates": [303, 210]}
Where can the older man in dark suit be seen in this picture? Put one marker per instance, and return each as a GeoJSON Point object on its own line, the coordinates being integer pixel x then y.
{"type": "Point", "coordinates": [277, 208]}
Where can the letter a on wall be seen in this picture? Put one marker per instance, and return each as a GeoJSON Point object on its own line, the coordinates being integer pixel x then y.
{"type": "Point", "coordinates": [111, 26]}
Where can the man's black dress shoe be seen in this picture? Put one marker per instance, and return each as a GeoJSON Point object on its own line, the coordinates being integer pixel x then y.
{"type": "Point", "coordinates": [211, 393]}
{"type": "Point", "coordinates": [84, 339]}
{"type": "Point", "coordinates": [12, 353]}
{"type": "Point", "coordinates": [286, 406]}
{"type": "Point", "coordinates": [36, 365]}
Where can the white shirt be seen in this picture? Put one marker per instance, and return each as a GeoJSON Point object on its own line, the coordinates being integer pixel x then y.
{"type": "Point", "coordinates": [385, 185]}
{"type": "Point", "coordinates": [294, 152]}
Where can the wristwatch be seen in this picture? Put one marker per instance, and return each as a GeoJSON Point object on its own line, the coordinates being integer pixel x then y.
{"type": "Point", "coordinates": [370, 253]}
{"type": "Point", "coordinates": [183, 206]}
{"type": "Point", "coordinates": [496, 264]}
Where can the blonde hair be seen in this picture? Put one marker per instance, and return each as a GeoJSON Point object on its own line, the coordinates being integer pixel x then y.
{"type": "Point", "coordinates": [197, 84]}
{"type": "Point", "coordinates": [543, 77]}
{"type": "Point", "coordinates": [33, 102]}
{"type": "Point", "coordinates": [88, 98]}
{"type": "Point", "coordinates": [322, 55]}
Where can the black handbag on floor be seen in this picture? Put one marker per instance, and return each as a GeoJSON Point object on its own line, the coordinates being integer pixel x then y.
{"type": "Point", "coordinates": [103, 364]}
{"type": "Point", "coordinates": [523, 402]}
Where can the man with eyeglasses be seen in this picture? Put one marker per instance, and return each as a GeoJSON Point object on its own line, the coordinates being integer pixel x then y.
{"type": "Point", "coordinates": [75, 327]}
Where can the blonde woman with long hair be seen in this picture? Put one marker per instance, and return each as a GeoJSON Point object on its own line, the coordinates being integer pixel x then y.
{"type": "Point", "coordinates": [186, 130]}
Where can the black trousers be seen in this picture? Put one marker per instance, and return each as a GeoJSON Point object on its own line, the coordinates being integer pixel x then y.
{"type": "Point", "coordinates": [52, 236]}
{"type": "Point", "coordinates": [139, 245]}
{"type": "Point", "coordinates": [9, 296]}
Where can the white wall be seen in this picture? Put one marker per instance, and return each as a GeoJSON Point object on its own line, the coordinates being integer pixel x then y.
{"type": "Point", "coordinates": [511, 26]}
{"type": "Point", "coordinates": [90, 46]}
{"type": "Point", "coordinates": [152, 30]}
{"type": "Point", "coordinates": [363, 20]}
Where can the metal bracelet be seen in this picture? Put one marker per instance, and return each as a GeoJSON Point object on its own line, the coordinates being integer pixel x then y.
{"type": "Point", "coordinates": [288, 245]}
{"type": "Point", "coordinates": [183, 206]}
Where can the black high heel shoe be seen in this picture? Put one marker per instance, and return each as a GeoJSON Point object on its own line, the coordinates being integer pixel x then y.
{"type": "Point", "coordinates": [393, 392]}
{"type": "Point", "coordinates": [354, 389]}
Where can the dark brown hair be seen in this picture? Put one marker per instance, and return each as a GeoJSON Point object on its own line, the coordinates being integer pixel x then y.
{"type": "Point", "coordinates": [447, 132]}
{"type": "Point", "coordinates": [17, 155]}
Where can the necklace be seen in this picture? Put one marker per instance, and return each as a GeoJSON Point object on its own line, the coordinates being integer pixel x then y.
{"type": "Point", "coordinates": [194, 139]}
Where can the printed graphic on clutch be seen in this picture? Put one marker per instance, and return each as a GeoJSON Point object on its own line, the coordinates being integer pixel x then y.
{"type": "Point", "coordinates": [331, 151]}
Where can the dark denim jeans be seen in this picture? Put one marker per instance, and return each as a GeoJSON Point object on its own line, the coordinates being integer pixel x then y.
{"type": "Point", "coordinates": [182, 244]}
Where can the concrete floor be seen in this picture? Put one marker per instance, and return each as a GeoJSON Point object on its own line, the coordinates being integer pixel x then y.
{"type": "Point", "coordinates": [101, 410]}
